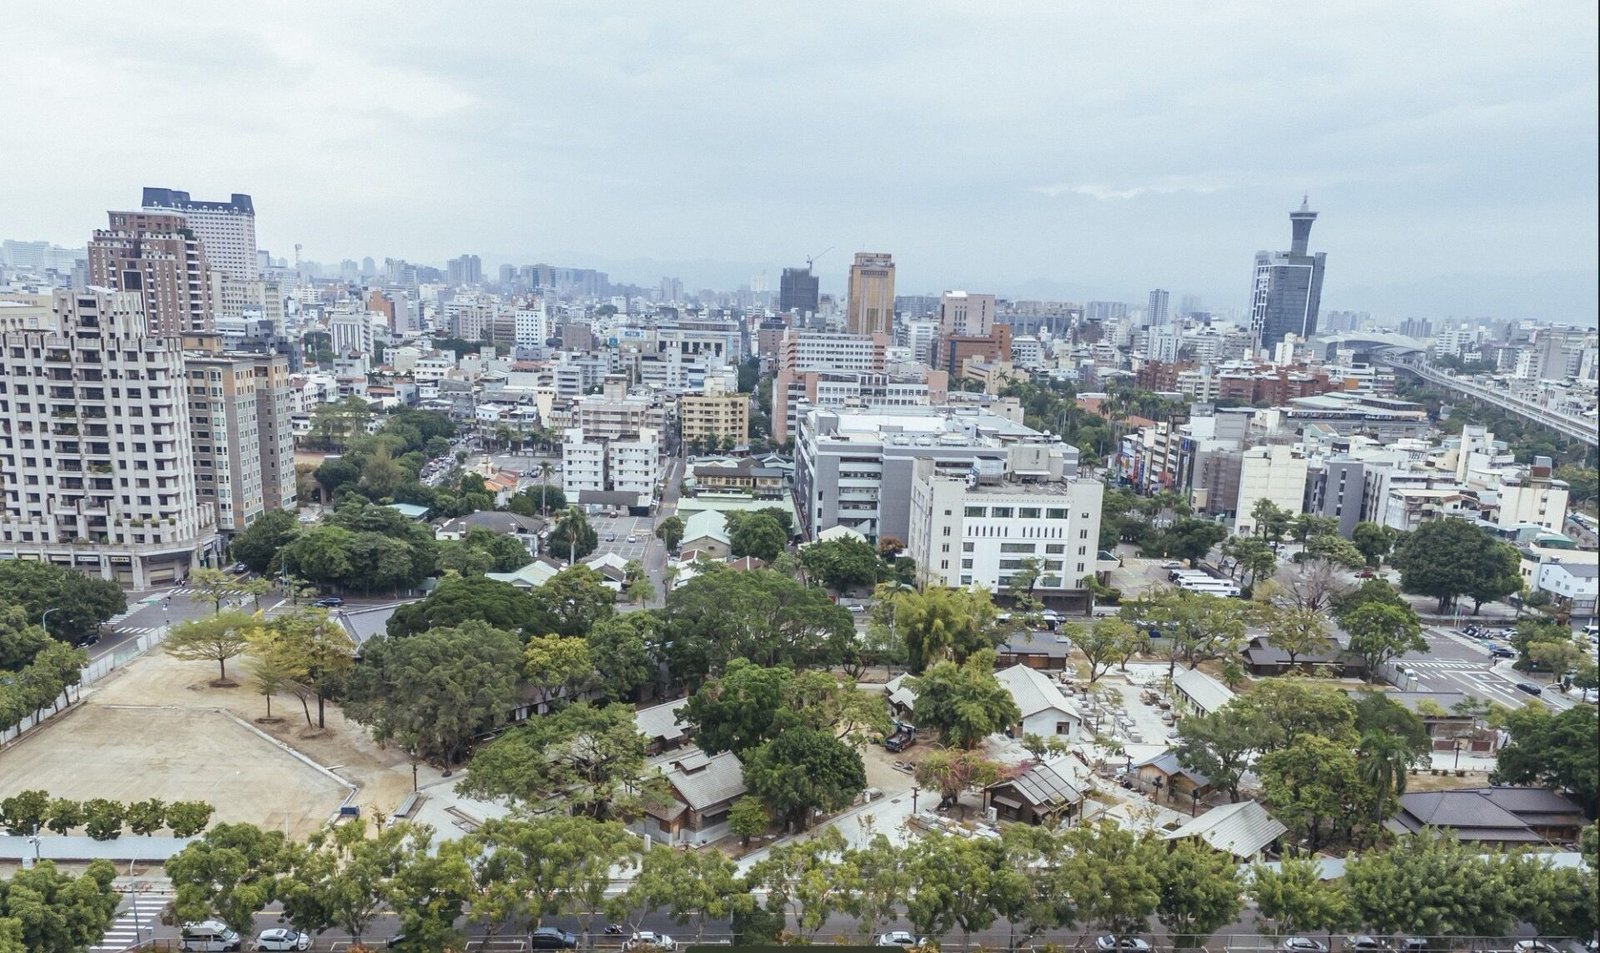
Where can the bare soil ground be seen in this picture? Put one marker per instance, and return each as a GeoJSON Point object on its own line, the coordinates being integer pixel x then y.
{"type": "Point", "coordinates": [159, 729]}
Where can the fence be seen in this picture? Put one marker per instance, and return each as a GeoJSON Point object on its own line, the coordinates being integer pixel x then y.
{"type": "Point", "coordinates": [98, 668]}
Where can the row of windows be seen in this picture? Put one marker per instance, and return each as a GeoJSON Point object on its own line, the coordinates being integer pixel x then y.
{"type": "Point", "coordinates": [1019, 512]}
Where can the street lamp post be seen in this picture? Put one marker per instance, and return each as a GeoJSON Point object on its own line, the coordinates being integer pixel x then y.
{"type": "Point", "coordinates": [45, 618]}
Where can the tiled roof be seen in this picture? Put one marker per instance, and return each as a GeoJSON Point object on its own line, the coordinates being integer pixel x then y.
{"type": "Point", "coordinates": [660, 721]}
{"type": "Point", "coordinates": [703, 780]}
{"type": "Point", "coordinates": [1207, 692]}
{"type": "Point", "coordinates": [1048, 784]}
{"type": "Point", "coordinates": [1034, 692]}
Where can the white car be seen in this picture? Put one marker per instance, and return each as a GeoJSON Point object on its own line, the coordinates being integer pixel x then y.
{"type": "Point", "coordinates": [1107, 943]}
{"type": "Point", "coordinates": [1172, 564]}
{"type": "Point", "coordinates": [896, 938]}
{"type": "Point", "coordinates": [647, 940]}
{"type": "Point", "coordinates": [1302, 944]}
{"type": "Point", "coordinates": [282, 938]}
{"type": "Point", "coordinates": [632, 538]}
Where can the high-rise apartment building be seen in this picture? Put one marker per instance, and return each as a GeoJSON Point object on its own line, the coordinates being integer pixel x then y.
{"type": "Point", "coordinates": [1156, 313]}
{"type": "Point", "coordinates": [871, 296]}
{"type": "Point", "coordinates": [239, 417]}
{"type": "Point", "coordinates": [716, 413]}
{"type": "Point", "coordinates": [466, 270]}
{"type": "Point", "coordinates": [158, 256]}
{"type": "Point", "coordinates": [97, 463]}
{"type": "Point", "coordinates": [1288, 286]}
{"type": "Point", "coordinates": [226, 229]}
{"type": "Point", "coordinates": [797, 291]}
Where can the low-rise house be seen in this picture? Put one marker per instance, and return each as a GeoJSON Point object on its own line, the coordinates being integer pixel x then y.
{"type": "Point", "coordinates": [660, 726]}
{"type": "Point", "coordinates": [704, 788]}
{"type": "Point", "coordinates": [1196, 693]}
{"type": "Point", "coordinates": [1162, 772]}
{"type": "Point", "coordinates": [901, 697]}
{"type": "Point", "coordinates": [1045, 711]}
{"type": "Point", "coordinates": [1047, 791]}
{"type": "Point", "coordinates": [745, 475]}
{"type": "Point", "coordinates": [525, 529]}
{"type": "Point", "coordinates": [706, 534]}
{"type": "Point", "coordinates": [1492, 815]}
{"type": "Point", "coordinates": [1262, 658]}
{"type": "Point", "coordinates": [1046, 653]}
{"type": "Point", "coordinates": [1244, 831]}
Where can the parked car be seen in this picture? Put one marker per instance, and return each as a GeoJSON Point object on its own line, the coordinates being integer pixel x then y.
{"type": "Point", "coordinates": [1500, 651]}
{"type": "Point", "coordinates": [856, 607]}
{"type": "Point", "coordinates": [1532, 946]}
{"type": "Point", "coordinates": [282, 938]}
{"type": "Point", "coordinates": [896, 938]}
{"type": "Point", "coordinates": [1529, 688]}
{"type": "Point", "coordinates": [329, 602]}
{"type": "Point", "coordinates": [208, 936]}
{"type": "Point", "coordinates": [648, 940]}
{"type": "Point", "coordinates": [1362, 941]}
{"type": "Point", "coordinates": [238, 569]}
{"type": "Point", "coordinates": [550, 938]}
{"type": "Point", "coordinates": [633, 537]}
{"type": "Point", "coordinates": [1302, 944]}
{"type": "Point", "coordinates": [1364, 574]}
{"type": "Point", "coordinates": [1106, 943]}
{"type": "Point", "coordinates": [1172, 564]}
{"type": "Point", "coordinates": [611, 537]}
{"type": "Point", "coordinates": [903, 737]}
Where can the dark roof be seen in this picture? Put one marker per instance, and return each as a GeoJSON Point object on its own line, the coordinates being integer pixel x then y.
{"type": "Point", "coordinates": [498, 521]}
{"type": "Point", "coordinates": [1489, 813]}
{"type": "Point", "coordinates": [1167, 763]}
{"type": "Point", "coordinates": [1048, 784]}
{"type": "Point", "coordinates": [1263, 652]}
{"type": "Point", "coordinates": [608, 497]}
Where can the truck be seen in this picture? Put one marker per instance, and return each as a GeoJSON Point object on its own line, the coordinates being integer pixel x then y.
{"type": "Point", "coordinates": [902, 737]}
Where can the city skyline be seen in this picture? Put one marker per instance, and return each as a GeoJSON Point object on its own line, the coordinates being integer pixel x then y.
{"type": "Point", "coordinates": [1074, 176]}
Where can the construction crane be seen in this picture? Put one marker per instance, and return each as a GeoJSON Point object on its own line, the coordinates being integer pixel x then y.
{"type": "Point", "coordinates": [812, 258]}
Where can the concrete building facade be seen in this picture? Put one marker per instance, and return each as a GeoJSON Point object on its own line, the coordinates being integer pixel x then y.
{"type": "Point", "coordinates": [870, 307]}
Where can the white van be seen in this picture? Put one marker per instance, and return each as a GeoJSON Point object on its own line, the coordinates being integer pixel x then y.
{"type": "Point", "coordinates": [210, 936]}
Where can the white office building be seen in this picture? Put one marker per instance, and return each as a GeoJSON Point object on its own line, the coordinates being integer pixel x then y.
{"type": "Point", "coordinates": [1276, 473]}
{"type": "Point", "coordinates": [977, 529]}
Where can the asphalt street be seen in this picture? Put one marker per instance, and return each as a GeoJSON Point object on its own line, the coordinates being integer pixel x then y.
{"type": "Point", "coordinates": [1455, 663]}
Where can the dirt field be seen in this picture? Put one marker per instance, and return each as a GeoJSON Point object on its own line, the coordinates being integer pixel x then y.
{"type": "Point", "coordinates": [158, 729]}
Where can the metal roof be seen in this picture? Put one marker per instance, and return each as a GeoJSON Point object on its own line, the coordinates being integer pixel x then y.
{"type": "Point", "coordinates": [1242, 830]}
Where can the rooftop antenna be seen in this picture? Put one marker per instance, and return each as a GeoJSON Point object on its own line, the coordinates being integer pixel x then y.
{"type": "Point", "coordinates": [813, 258]}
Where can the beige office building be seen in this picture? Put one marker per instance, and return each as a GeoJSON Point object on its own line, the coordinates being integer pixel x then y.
{"type": "Point", "coordinates": [871, 295]}
{"type": "Point", "coordinates": [716, 413]}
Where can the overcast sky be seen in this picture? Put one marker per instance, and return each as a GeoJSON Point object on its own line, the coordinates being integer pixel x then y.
{"type": "Point", "coordinates": [1023, 148]}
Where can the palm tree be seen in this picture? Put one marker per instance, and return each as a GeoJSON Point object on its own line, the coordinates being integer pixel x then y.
{"type": "Point", "coordinates": [1382, 761]}
{"type": "Point", "coordinates": [545, 469]}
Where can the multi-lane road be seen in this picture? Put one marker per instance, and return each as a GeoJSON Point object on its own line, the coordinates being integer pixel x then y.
{"type": "Point", "coordinates": [1455, 663]}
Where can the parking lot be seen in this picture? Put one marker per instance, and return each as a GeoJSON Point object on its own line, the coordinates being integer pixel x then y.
{"type": "Point", "coordinates": [642, 528]}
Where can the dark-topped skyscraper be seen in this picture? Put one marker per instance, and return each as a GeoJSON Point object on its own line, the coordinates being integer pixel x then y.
{"type": "Point", "coordinates": [228, 229]}
{"type": "Point", "coordinates": [1288, 286]}
{"type": "Point", "coordinates": [797, 291]}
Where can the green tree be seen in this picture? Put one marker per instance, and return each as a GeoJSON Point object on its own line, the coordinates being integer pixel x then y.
{"type": "Point", "coordinates": [573, 600]}
{"type": "Point", "coordinates": [1374, 541]}
{"type": "Point", "coordinates": [1200, 892]}
{"type": "Point", "coordinates": [1379, 633]}
{"type": "Point", "coordinates": [188, 818]}
{"type": "Point", "coordinates": [43, 910]}
{"type": "Point", "coordinates": [960, 883]}
{"type": "Point", "coordinates": [584, 759]}
{"type": "Point", "coordinates": [77, 602]}
{"type": "Point", "coordinates": [1295, 899]}
{"type": "Point", "coordinates": [942, 623]}
{"type": "Point", "coordinates": [1335, 549]}
{"type": "Point", "coordinates": [1552, 750]}
{"type": "Point", "coordinates": [1375, 712]}
{"type": "Point", "coordinates": [1298, 632]}
{"type": "Point", "coordinates": [964, 703]}
{"type": "Point", "coordinates": [65, 815]}
{"type": "Point", "coordinates": [1583, 483]}
{"type": "Point", "coordinates": [1431, 886]}
{"type": "Point", "coordinates": [876, 881]}
{"type": "Point", "coordinates": [429, 893]}
{"type": "Point", "coordinates": [842, 564]}
{"type": "Point", "coordinates": [1382, 761]}
{"type": "Point", "coordinates": [741, 710]}
{"type": "Point", "coordinates": [692, 886]}
{"type": "Point", "coordinates": [1307, 526]}
{"type": "Point", "coordinates": [1370, 592]}
{"type": "Point", "coordinates": [556, 667]}
{"type": "Point", "coordinates": [804, 770]}
{"type": "Point", "coordinates": [319, 651]}
{"type": "Point", "coordinates": [1102, 642]}
{"type": "Point", "coordinates": [748, 818]}
{"type": "Point", "coordinates": [1271, 521]}
{"type": "Point", "coordinates": [215, 639]}
{"type": "Point", "coordinates": [258, 544]}
{"type": "Point", "coordinates": [763, 616]}
{"type": "Point", "coordinates": [621, 648]}
{"type": "Point", "coordinates": [758, 535]}
{"type": "Point", "coordinates": [1313, 786]}
{"type": "Point", "coordinates": [232, 873]}
{"type": "Point", "coordinates": [1188, 538]}
{"type": "Point", "coordinates": [953, 772]}
{"type": "Point", "coordinates": [103, 818]}
{"type": "Point", "coordinates": [436, 691]}
{"type": "Point", "coordinates": [1220, 745]}
{"type": "Point", "coordinates": [458, 600]}
{"type": "Point", "coordinates": [670, 532]}
{"type": "Point", "coordinates": [1447, 558]}
{"type": "Point", "coordinates": [25, 812]}
{"type": "Point", "coordinates": [1115, 871]}
{"type": "Point", "coordinates": [146, 817]}
{"type": "Point", "coordinates": [1287, 709]}
{"type": "Point", "coordinates": [572, 538]}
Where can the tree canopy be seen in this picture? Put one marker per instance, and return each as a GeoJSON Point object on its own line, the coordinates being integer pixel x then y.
{"type": "Point", "coordinates": [1449, 558]}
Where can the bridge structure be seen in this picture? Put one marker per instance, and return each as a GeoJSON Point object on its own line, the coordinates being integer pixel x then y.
{"type": "Point", "coordinates": [1577, 428]}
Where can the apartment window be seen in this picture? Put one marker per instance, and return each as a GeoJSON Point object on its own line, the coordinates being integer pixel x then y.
{"type": "Point", "coordinates": [1063, 727]}
{"type": "Point", "coordinates": [1083, 534]}
{"type": "Point", "coordinates": [1029, 548]}
{"type": "Point", "coordinates": [966, 564]}
{"type": "Point", "coordinates": [1083, 550]}
{"type": "Point", "coordinates": [1002, 512]}
{"type": "Point", "coordinates": [1055, 549]}
{"type": "Point", "coordinates": [977, 511]}
{"type": "Point", "coordinates": [968, 547]}
{"type": "Point", "coordinates": [966, 580]}
{"type": "Point", "coordinates": [1028, 512]}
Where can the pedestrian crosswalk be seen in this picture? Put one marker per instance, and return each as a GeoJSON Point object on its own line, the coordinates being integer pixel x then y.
{"type": "Point", "coordinates": [136, 922]}
{"type": "Point", "coordinates": [140, 629]}
{"type": "Point", "coordinates": [1443, 665]}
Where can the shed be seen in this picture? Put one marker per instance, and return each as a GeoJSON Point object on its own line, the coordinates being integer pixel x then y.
{"type": "Point", "coordinates": [1244, 830]}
